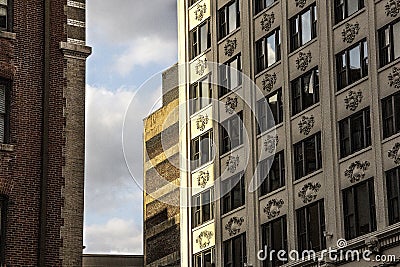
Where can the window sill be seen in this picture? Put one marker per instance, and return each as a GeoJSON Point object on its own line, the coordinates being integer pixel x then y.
{"type": "Point", "coordinates": [344, 21]}
{"type": "Point", "coordinates": [390, 138]}
{"type": "Point", "coordinates": [229, 35]}
{"type": "Point", "coordinates": [233, 150]}
{"type": "Point", "coordinates": [355, 154]}
{"type": "Point", "coordinates": [304, 46]}
{"type": "Point", "coordinates": [344, 89]}
{"type": "Point", "coordinates": [204, 224]}
{"type": "Point", "coordinates": [205, 165]}
{"type": "Point", "coordinates": [6, 147]}
{"type": "Point", "coordinates": [270, 130]}
{"type": "Point", "coordinates": [8, 35]}
{"type": "Point", "coordinates": [276, 191]}
{"type": "Point", "coordinates": [230, 92]}
{"type": "Point", "coordinates": [200, 55]}
{"type": "Point", "coordinates": [308, 176]}
{"type": "Point", "coordinates": [200, 111]}
{"type": "Point", "coordinates": [233, 211]}
{"type": "Point", "coordinates": [261, 73]}
{"type": "Point", "coordinates": [259, 14]}
{"type": "Point", "coordinates": [298, 115]}
{"type": "Point", "coordinates": [389, 65]}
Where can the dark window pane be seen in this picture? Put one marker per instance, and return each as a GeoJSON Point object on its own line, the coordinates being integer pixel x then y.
{"type": "Point", "coordinates": [396, 41]}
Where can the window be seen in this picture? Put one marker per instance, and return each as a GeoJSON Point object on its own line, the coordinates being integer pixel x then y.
{"type": "Point", "coordinates": [345, 8]}
{"type": "Point", "coordinates": [311, 227]}
{"type": "Point", "coordinates": [391, 115]}
{"type": "Point", "coordinates": [200, 39]}
{"type": "Point", "coordinates": [230, 75]}
{"type": "Point", "coordinates": [305, 91]}
{"type": "Point", "coordinates": [352, 64]}
{"type": "Point", "coordinates": [262, 4]}
{"type": "Point", "coordinates": [359, 210]}
{"type": "Point", "coordinates": [303, 27]}
{"type": "Point", "coordinates": [272, 173]}
{"type": "Point", "coordinates": [389, 43]}
{"type": "Point", "coordinates": [3, 221]}
{"type": "Point", "coordinates": [355, 133]}
{"type": "Point", "coordinates": [268, 50]}
{"type": "Point", "coordinates": [274, 237]}
{"type": "Point", "coordinates": [393, 190]}
{"type": "Point", "coordinates": [268, 118]}
{"type": "Point", "coordinates": [4, 116]}
{"type": "Point", "coordinates": [231, 133]}
{"type": "Point", "coordinates": [200, 94]}
{"type": "Point", "coordinates": [233, 191]}
{"type": "Point", "coordinates": [229, 18]}
{"type": "Point", "coordinates": [201, 150]}
{"type": "Point", "coordinates": [4, 15]}
{"type": "Point", "coordinates": [308, 156]}
{"type": "Point", "coordinates": [204, 259]}
{"type": "Point", "coordinates": [235, 251]}
{"type": "Point", "coordinates": [203, 208]}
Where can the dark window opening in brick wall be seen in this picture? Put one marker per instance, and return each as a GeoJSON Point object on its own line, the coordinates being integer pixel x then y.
{"type": "Point", "coordinates": [303, 27]}
{"type": "Point", "coordinates": [3, 221]}
{"type": "Point", "coordinates": [231, 133]}
{"type": "Point", "coordinates": [204, 259]}
{"type": "Point", "coordinates": [203, 207]}
{"type": "Point", "coordinates": [260, 5]}
{"type": "Point", "coordinates": [201, 149]}
{"type": "Point", "coordinates": [393, 194]}
{"type": "Point", "coordinates": [200, 39]}
{"type": "Point", "coordinates": [311, 227]}
{"type": "Point", "coordinates": [391, 115]}
{"type": "Point", "coordinates": [359, 209]}
{"type": "Point", "coordinates": [230, 76]}
{"type": "Point", "coordinates": [274, 237]}
{"type": "Point", "coordinates": [305, 91]}
{"type": "Point", "coordinates": [229, 18]}
{"type": "Point", "coordinates": [352, 64]}
{"type": "Point", "coordinates": [234, 251]}
{"type": "Point", "coordinates": [389, 43]}
{"type": "Point", "coordinates": [355, 133]}
{"type": "Point", "coordinates": [268, 50]}
{"type": "Point", "coordinates": [4, 111]}
{"type": "Point", "coordinates": [4, 15]}
{"type": "Point", "coordinates": [272, 173]}
{"type": "Point", "coordinates": [346, 8]}
{"type": "Point", "coordinates": [200, 94]}
{"type": "Point", "coordinates": [233, 191]}
{"type": "Point", "coordinates": [308, 156]}
{"type": "Point", "coordinates": [267, 119]}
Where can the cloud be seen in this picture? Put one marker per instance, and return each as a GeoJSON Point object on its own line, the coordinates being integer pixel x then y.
{"type": "Point", "coordinates": [116, 236]}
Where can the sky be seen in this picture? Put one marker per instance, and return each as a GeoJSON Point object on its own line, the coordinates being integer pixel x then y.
{"type": "Point", "coordinates": [132, 40]}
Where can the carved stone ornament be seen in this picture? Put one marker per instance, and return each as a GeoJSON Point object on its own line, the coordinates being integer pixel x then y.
{"type": "Point", "coordinates": [303, 60]}
{"type": "Point", "coordinates": [306, 124]}
{"type": "Point", "coordinates": [204, 239]}
{"type": "Point", "coordinates": [201, 122]}
{"type": "Point", "coordinates": [230, 47]}
{"type": "Point", "coordinates": [350, 32]}
{"type": "Point", "coordinates": [233, 225]}
{"type": "Point", "coordinates": [269, 81]}
{"type": "Point", "coordinates": [273, 208]}
{"type": "Point", "coordinates": [203, 179]}
{"type": "Point", "coordinates": [270, 143]}
{"type": "Point", "coordinates": [231, 104]}
{"type": "Point", "coordinates": [392, 8]}
{"type": "Point", "coordinates": [201, 67]}
{"type": "Point", "coordinates": [394, 153]}
{"type": "Point", "coordinates": [353, 99]}
{"type": "Point", "coordinates": [200, 11]}
{"type": "Point", "coordinates": [373, 244]}
{"type": "Point", "coordinates": [309, 192]}
{"type": "Point", "coordinates": [232, 163]}
{"type": "Point", "coordinates": [394, 78]}
{"type": "Point", "coordinates": [301, 3]}
{"type": "Point", "coordinates": [267, 21]}
{"type": "Point", "coordinates": [356, 171]}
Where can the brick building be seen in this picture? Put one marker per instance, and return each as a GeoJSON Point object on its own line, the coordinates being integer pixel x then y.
{"type": "Point", "coordinates": [42, 128]}
{"type": "Point", "coordinates": [161, 178]}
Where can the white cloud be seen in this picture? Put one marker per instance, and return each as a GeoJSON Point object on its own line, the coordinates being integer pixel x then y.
{"type": "Point", "coordinates": [117, 236]}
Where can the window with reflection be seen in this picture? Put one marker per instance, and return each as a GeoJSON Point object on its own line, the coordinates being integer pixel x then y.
{"type": "Point", "coordinates": [229, 18]}
{"type": "Point", "coordinates": [200, 94]}
{"type": "Point", "coordinates": [270, 111]}
{"type": "Point", "coordinates": [201, 149]}
{"type": "Point", "coordinates": [391, 115]}
{"type": "Point", "coordinates": [262, 4]}
{"type": "Point", "coordinates": [307, 156]}
{"type": "Point", "coordinates": [346, 8]}
{"type": "Point", "coordinates": [204, 259]}
{"type": "Point", "coordinates": [230, 75]}
{"type": "Point", "coordinates": [231, 133]}
{"type": "Point", "coordinates": [355, 133]}
{"type": "Point", "coordinates": [359, 209]}
{"type": "Point", "coordinates": [305, 91]}
{"type": "Point", "coordinates": [268, 50]}
{"type": "Point", "coordinates": [233, 192]}
{"type": "Point", "coordinates": [389, 43]}
{"type": "Point", "coordinates": [234, 251]}
{"type": "Point", "coordinates": [272, 173]}
{"type": "Point", "coordinates": [393, 190]}
{"type": "Point", "coordinates": [274, 238]}
{"type": "Point", "coordinates": [200, 39]}
{"type": "Point", "coordinates": [303, 27]}
{"type": "Point", "coordinates": [203, 207]}
{"type": "Point", "coordinates": [352, 64]}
